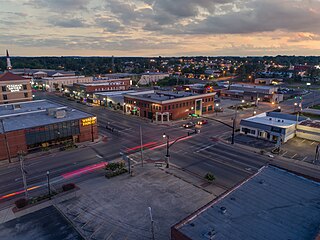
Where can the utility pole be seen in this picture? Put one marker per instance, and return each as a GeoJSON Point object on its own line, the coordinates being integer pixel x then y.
{"type": "Point", "coordinates": [167, 155]}
{"type": "Point", "coordinates": [6, 141]}
{"type": "Point", "coordinates": [234, 125]}
{"type": "Point", "coordinates": [152, 224]}
{"type": "Point", "coordinates": [48, 181]}
{"type": "Point", "coordinates": [23, 172]}
{"type": "Point", "coordinates": [316, 158]}
{"type": "Point", "coordinates": [141, 148]}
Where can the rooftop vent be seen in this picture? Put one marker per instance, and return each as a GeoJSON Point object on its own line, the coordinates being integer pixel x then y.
{"type": "Point", "coordinates": [16, 106]}
{"type": "Point", "coordinates": [223, 210]}
{"type": "Point", "coordinates": [60, 114]}
{"type": "Point", "coordinates": [262, 181]}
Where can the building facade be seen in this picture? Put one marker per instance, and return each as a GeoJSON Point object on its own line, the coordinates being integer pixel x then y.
{"type": "Point", "coordinates": [162, 106]}
{"type": "Point", "coordinates": [150, 78]}
{"type": "Point", "coordinates": [272, 126]}
{"type": "Point", "coordinates": [85, 91]}
{"type": "Point", "coordinates": [36, 125]}
{"type": "Point", "coordinates": [58, 83]}
{"type": "Point", "coordinates": [14, 88]}
{"type": "Point", "coordinates": [251, 92]}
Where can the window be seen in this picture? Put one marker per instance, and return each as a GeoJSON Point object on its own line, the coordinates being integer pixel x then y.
{"type": "Point", "coordinates": [165, 108]}
{"type": "Point", "coordinates": [210, 108]}
{"type": "Point", "coordinates": [24, 87]}
{"type": "Point", "coordinates": [180, 104]}
{"type": "Point", "coordinates": [25, 95]}
{"type": "Point", "coordinates": [187, 104]}
{"type": "Point", "coordinates": [4, 89]}
{"type": "Point", "coordinates": [173, 106]}
{"type": "Point", "coordinates": [169, 107]}
{"type": "Point", "coordinates": [204, 109]}
{"type": "Point", "coordinates": [5, 97]}
{"type": "Point", "coordinates": [177, 105]}
{"type": "Point", "coordinates": [184, 104]}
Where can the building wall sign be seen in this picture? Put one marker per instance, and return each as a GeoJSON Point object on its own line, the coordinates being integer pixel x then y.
{"type": "Point", "coordinates": [88, 121]}
{"type": "Point", "coordinates": [14, 87]}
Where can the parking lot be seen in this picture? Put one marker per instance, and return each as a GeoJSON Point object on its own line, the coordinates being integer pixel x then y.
{"type": "Point", "coordinates": [296, 148]}
{"type": "Point", "coordinates": [118, 208]}
{"type": "Point", "coordinates": [299, 149]}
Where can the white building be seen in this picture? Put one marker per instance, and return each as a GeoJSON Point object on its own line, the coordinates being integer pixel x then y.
{"type": "Point", "coordinates": [148, 78]}
{"type": "Point", "coordinates": [54, 83]}
{"type": "Point", "coordinates": [271, 126]}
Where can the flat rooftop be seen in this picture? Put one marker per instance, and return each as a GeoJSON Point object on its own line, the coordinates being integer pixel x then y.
{"type": "Point", "coordinates": [274, 119]}
{"type": "Point", "coordinates": [253, 86]}
{"type": "Point", "coordinates": [162, 95]}
{"type": "Point", "coordinates": [17, 116]}
{"type": "Point", "coordinates": [273, 204]}
{"type": "Point", "coordinates": [310, 123]}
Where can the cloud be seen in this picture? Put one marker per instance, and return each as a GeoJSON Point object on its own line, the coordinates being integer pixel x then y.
{"type": "Point", "coordinates": [60, 5]}
{"type": "Point", "coordinates": [262, 16]}
{"type": "Point", "coordinates": [109, 25]}
{"type": "Point", "coordinates": [65, 22]}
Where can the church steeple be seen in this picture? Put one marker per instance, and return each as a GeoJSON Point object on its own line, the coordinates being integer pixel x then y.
{"type": "Point", "coordinates": [9, 66]}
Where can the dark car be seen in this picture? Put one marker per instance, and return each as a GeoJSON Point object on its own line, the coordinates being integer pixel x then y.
{"type": "Point", "coordinates": [202, 122]}
{"type": "Point", "coordinates": [188, 125]}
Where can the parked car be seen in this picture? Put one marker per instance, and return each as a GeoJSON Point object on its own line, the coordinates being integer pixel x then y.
{"type": "Point", "coordinates": [202, 122]}
{"type": "Point", "coordinates": [188, 125]}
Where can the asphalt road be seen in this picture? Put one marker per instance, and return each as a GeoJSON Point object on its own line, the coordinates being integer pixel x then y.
{"type": "Point", "coordinates": [198, 154]}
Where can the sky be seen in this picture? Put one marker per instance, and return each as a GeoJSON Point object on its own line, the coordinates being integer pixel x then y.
{"type": "Point", "coordinates": [159, 27]}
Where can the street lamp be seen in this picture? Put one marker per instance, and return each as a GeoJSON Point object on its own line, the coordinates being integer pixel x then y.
{"type": "Point", "coordinates": [48, 181]}
{"type": "Point", "coordinates": [168, 146]}
{"type": "Point", "coordinates": [234, 122]}
{"type": "Point", "coordinates": [295, 105]}
{"type": "Point", "coordinates": [217, 105]}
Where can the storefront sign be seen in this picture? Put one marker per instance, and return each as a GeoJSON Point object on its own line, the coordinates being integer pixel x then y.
{"type": "Point", "coordinates": [88, 121]}
{"type": "Point", "coordinates": [14, 87]}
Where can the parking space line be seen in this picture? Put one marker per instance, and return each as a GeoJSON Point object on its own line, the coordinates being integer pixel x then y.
{"type": "Point", "coordinates": [294, 155]}
{"type": "Point", "coordinates": [284, 153]}
{"type": "Point", "coordinates": [303, 141]}
{"type": "Point", "coordinates": [305, 158]}
{"type": "Point", "coordinates": [313, 143]}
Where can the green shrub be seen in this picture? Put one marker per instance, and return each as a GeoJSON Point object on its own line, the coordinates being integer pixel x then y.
{"type": "Point", "coordinates": [68, 186]}
{"type": "Point", "coordinates": [20, 203]}
{"type": "Point", "coordinates": [209, 177]}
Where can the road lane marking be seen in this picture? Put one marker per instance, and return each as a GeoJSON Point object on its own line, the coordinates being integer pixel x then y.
{"type": "Point", "coordinates": [202, 149]}
{"type": "Point", "coordinates": [294, 155]}
{"type": "Point", "coordinates": [284, 153]}
{"type": "Point", "coordinates": [99, 156]}
{"type": "Point", "coordinates": [305, 158]}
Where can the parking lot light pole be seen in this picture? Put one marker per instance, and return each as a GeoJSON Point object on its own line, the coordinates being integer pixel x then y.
{"type": "Point", "coordinates": [234, 122]}
{"type": "Point", "coordinates": [48, 182]}
{"type": "Point", "coordinates": [168, 146]}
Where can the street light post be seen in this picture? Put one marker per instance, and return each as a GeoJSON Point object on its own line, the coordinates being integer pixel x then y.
{"type": "Point", "coordinates": [48, 182]}
{"type": "Point", "coordinates": [168, 146]}
{"type": "Point", "coordinates": [234, 122]}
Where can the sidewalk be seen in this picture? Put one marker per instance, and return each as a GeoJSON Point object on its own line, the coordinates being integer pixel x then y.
{"type": "Point", "coordinates": [15, 160]}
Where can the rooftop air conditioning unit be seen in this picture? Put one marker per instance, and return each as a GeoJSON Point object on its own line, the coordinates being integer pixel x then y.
{"type": "Point", "coordinates": [60, 114]}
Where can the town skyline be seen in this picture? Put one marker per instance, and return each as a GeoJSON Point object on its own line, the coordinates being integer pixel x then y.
{"type": "Point", "coordinates": [152, 28]}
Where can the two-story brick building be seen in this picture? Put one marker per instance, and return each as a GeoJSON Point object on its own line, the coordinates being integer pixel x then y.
{"type": "Point", "coordinates": [165, 106]}
{"type": "Point", "coordinates": [85, 91]}
{"type": "Point", "coordinates": [14, 88]}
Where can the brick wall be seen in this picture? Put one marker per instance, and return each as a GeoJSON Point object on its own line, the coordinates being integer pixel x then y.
{"type": "Point", "coordinates": [16, 142]}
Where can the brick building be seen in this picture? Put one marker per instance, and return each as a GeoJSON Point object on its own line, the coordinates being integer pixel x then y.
{"type": "Point", "coordinates": [30, 126]}
{"type": "Point", "coordinates": [164, 106]}
{"type": "Point", "coordinates": [85, 91]}
{"type": "Point", "coordinates": [14, 88]}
